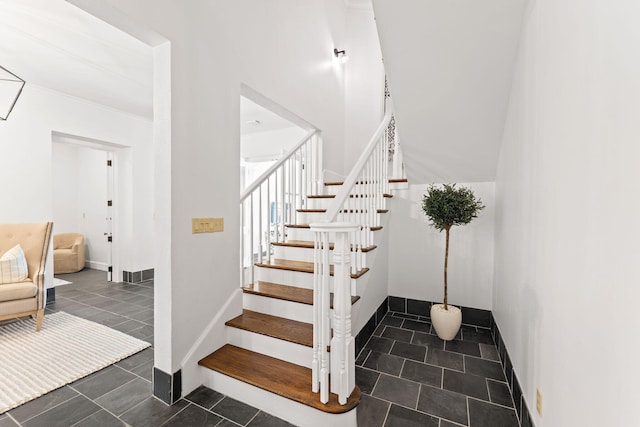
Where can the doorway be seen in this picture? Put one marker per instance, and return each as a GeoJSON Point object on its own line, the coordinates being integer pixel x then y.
{"type": "Point", "coordinates": [84, 197]}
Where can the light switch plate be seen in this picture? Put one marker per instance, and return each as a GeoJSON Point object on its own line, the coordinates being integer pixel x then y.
{"type": "Point", "coordinates": [206, 225]}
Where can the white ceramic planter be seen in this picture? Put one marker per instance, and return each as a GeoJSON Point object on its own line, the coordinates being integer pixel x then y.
{"type": "Point", "coordinates": [446, 322]}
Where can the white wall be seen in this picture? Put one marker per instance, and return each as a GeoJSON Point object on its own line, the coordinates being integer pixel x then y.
{"type": "Point", "coordinates": [416, 251]}
{"type": "Point", "coordinates": [567, 210]}
{"type": "Point", "coordinates": [27, 160]}
{"type": "Point", "coordinates": [281, 49]}
{"type": "Point", "coordinates": [65, 187]}
{"type": "Point", "coordinates": [364, 83]}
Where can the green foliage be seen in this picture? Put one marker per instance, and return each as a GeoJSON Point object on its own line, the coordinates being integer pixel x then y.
{"type": "Point", "coordinates": [447, 206]}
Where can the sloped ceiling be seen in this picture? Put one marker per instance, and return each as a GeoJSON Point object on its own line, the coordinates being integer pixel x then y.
{"type": "Point", "coordinates": [53, 44]}
{"type": "Point", "coordinates": [449, 65]}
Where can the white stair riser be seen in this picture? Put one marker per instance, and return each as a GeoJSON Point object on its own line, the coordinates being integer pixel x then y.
{"type": "Point", "coordinates": [299, 254]}
{"type": "Point", "coordinates": [299, 234]}
{"type": "Point", "coordinates": [309, 217]}
{"type": "Point", "coordinates": [284, 277]}
{"type": "Point", "coordinates": [293, 412]}
{"type": "Point", "coordinates": [274, 347]}
{"type": "Point", "coordinates": [319, 203]}
{"type": "Point", "coordinates": [277, 307]}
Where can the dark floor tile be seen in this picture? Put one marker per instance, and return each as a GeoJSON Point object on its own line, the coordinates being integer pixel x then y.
{"type": "Point", "coordinates": [204, 397]}
{"type": "Point", "coordinates": [235, 410]}
{"type": "Point", "coordinates": [467, 384]}
{"type": "Point", "coordinates": [409, 351]}
{"type": "Point", "coordinates": [145, 370]}
{"type": "Point", "coordinates": [444, 404]}
{"type": "Point", "coordinates": [446, 359]}
{"type": "Point", "coordinates": [470, 348]}
{"type": "Point", "coordinates": [137, 359]}
{"type": "Point", "coordinates": [489, 352]}
{"type": "Point", "coordinates": [142, 333]}
{"type": "Point", "coordinates": [128, 326]}
{"type": "Point", "coordinates": [65, 414]}
{"type": "Point", "coordinates": [406, 316]}
{"type": "Point", "coordinates": [431, 341]}
{"type": "Point", "coordinates": [381, 345]}
{"type": "Point", "coordinates": [193, 416]}
{"type": "Point", "coordinates": [152, 412]}
{"type": "Point", "coordinates": [445, 423]}
{"type": "Point", "coordinates": [7, 422]}
{"type": "Point", "coordinates": [142, 315]}
{"type": "Point", "coordinates": [481, 336]}
{"type": "Point", "coordinates": [267, 420]}
{"type": "Point", "coordinates": [487, 414]}
{"type": "Point", "coordinates": [397, 390]}
{"type": "Point", "coordinates": [415, 325]}
{"type": "Point", "coordinates": [362, 356]}
{"type": "Point", "coordinates": [484, 368]}
{"type": "Point", "coordinates": [371, 411]}
{"type": "Point", "coordinates": [422, 373]}
{"type": "Point", "coordinates": [379, 330]}
{"type": "Point", "coordinates": [123, 398]}
{"type": "Point", "coordinates": [43, 403]}
{"type": "Point", "coordinates": [101, 419]}
{"type": "Point", "coordinates": [403, 417]}
{"type": "Point", "coordinates": [383, 362]}
{"type": "Point", "coordinates": [397, 334]}
{"type": "Point", "coordinates": [227, 423]}
{"type": "Point", "coordinates": [389, 320]}
{"type": "Point", "coordinates": [499, 393]}
{"type": "Point", "coordinates": [102, 382]}
{"type": "Point", "coordinates": [366, 379]}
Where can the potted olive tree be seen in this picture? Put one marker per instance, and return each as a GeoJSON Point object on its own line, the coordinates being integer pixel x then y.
{"type": "Point", "coordinates": [445, 207]}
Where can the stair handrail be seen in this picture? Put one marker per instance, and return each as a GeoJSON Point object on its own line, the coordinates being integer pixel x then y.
{"type": "Point", "coordinates": [273, 200]}
{"type": "Point", "coordinates": [266, 174]}
{"type": "Point", "coordinates": [352, 178]}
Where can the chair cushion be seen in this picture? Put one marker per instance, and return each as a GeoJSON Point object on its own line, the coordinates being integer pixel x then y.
{"type": "Point", "coordinates": [13, 266]}
{"type": "Point", "coordinates": [14, 291]}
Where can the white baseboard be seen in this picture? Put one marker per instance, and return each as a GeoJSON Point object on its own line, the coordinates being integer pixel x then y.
{"type": "Point", "coordinates": [96, 265]}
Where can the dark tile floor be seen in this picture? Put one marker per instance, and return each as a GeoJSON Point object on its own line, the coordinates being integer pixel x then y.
{"type": "Point", "coordinates": [408, 376]}
{"type": "Point", "coordinates": [121, 394]}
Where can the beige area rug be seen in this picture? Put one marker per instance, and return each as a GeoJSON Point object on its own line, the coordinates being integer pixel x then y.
{"type": "Point", "coordinates": [66, 348]}
{"type": "Point", "coordinates": [59, 282]}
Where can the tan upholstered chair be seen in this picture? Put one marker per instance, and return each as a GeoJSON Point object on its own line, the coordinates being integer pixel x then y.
{"type": "Point", "coordinates": [68, 253]}
{"type": "Point", "coordinates": [28, 297]}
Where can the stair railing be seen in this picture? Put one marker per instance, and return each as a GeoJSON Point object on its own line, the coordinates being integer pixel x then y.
{"type": "Point", "coordinates": [273, 199]}
{"type": "Point", "coordinates": [350, 221]}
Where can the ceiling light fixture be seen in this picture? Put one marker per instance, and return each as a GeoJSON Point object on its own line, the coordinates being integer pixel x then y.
{"type": "Point", "coordinates": [10, 89]}
{"type": "Point", "coordinates": [340, 55]}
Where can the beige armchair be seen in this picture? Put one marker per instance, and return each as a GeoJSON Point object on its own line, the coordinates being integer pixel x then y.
{"type": "Point", "coordinates": [26, 298]}
{"type": "Point", "coordinates": [68, 253]}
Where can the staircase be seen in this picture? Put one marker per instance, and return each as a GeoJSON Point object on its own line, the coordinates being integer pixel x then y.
{"type": "Point", "coordinates": [295, 253]}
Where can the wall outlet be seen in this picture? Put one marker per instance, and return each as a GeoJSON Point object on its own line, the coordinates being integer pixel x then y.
{"type": "Point", "coordinates": [206, 225]}
{"type": "Point", "coordinates": [539, 401]}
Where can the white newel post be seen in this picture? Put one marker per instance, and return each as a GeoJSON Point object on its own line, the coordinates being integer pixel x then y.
{"type": "Point", "coordinates": [342, 359]}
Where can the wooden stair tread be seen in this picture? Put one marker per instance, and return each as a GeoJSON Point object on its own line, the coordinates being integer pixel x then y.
{"type": "Point", "coordinates": [374, 228]}
{"type": "Point", "coordinates": [274, 375]}
{"type": "Point", "coordinates": [286, 293]}
{"type": "Point", "coordinates": [324, 210]}
{"type": "Point", "coordinates": [332, 196]}
{"type": "Point", "coordinates": [308, 244]}
{"type": "Point", "coordinates": [275, 327]}
{"type": "Point", "coordinates": [391, 181]}
{"type": "Point", "coordinates": [300, 266]}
